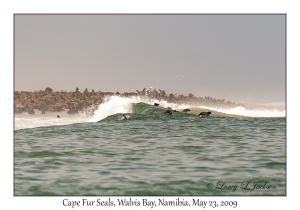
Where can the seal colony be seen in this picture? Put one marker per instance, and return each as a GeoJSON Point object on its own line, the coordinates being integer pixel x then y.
{"type": "Point", "coordinates": [74, 102]}
{"type": "Point", "coordinates": [171, 111]}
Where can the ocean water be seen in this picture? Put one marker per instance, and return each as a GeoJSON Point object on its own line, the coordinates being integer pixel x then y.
{"type": "Point", "coordinates": [232, 152]}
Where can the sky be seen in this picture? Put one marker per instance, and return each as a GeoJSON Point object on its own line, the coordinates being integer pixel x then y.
{"type": "Point", "coordinates": [240, 58]}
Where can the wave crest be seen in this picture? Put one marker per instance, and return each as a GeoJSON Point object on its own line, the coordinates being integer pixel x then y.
{"type": "Point", "coordinates": [115, 104]}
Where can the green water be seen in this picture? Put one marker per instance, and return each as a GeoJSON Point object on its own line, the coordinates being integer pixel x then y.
{"type": "Point", "coordinates": [153, 154]}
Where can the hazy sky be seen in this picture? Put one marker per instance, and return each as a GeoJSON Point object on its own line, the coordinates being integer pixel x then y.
{"type": "Point", "coordinates": [234, 57]}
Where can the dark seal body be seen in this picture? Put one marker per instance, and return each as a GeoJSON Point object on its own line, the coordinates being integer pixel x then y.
{"type": "Point", "coordinates": [169, 111]}
{"type": "Point", "coordinates": [126, 117]}
{"type": "Point", "coordinates": [203, 114]}
{"type": "Point", "coordinates": [186, 110]}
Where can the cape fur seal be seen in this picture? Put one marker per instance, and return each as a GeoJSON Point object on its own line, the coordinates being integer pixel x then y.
{"type": "Point", "coordinates": [126, 116]}
{"type": "Point", "coordinates": [186, 110]}
{"type": "Point", "coordinates": [156, 104]}
{"type": "Point", "coordinates": [204, 114]}
{"type": "Point", "coordinates": [169, 111]}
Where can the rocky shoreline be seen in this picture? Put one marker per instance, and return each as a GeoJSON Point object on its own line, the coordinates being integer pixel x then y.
{"type": "Point", "coordinates": [77, 101]}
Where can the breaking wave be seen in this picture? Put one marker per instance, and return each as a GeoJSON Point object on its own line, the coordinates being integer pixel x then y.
{"type": "Point", "coordinates": [115, 104]}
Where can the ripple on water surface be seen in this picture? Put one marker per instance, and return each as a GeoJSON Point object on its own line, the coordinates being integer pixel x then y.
{"type": "Point", "coordinates": [161, 155]}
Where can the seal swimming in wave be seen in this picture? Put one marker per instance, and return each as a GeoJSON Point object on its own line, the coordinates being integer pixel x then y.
{"type": "Point", "coordinates": [125, 117]}
{"type": "Point", "coordinates": [169, 111]}
{"type": "Point", "coordinates": [156, 104]}
{"type": "Point", "coordinates": [204, 114]}
{"type": "Point", "coordinates": [186, 110]}
{"type": "Point", "coordinates": [172, 109]}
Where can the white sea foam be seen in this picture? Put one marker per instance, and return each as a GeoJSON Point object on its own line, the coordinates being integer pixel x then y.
{"type": "Point", "coordinates": [278, 105]}
{"type": "Point", "coordinates": [116, 104]}
{"type": "Point", "coordinates": [31, 121]}
{"type": "Point", "coordinates": [111, 106]}
{"type": "Point", "coordinates": [260, 112]}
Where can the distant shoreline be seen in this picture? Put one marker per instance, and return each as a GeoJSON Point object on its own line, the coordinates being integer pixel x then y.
{"type": "Point", "coordinates": [73, 102]}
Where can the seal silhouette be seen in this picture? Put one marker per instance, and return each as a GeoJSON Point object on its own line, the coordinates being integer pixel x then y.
{"type": "Point", "coordinates": [203, 114]}
{"type": "Point", "coordinates": [186, 110]}
{"type": "Point", "coordinates": [169, 111]}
